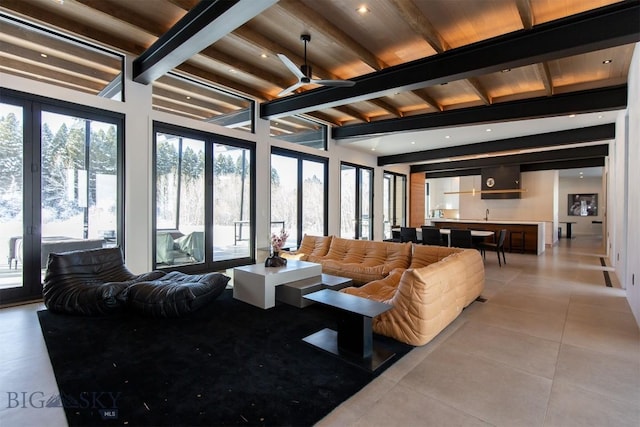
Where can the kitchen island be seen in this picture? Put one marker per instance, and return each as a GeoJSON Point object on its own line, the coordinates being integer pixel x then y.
{"type": "Point", "coordinates": [533, 232]}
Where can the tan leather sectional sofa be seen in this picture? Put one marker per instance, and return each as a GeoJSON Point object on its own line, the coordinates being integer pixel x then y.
{"type": "Point", "coordinates": [428, 286]}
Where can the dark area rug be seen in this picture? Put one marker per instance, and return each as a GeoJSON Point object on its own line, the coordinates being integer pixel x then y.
{"type": "Point", "coordinates": [228, 364]}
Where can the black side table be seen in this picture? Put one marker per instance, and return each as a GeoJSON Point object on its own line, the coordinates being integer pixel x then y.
{"type": "Point", "coordinates": [353, 341]}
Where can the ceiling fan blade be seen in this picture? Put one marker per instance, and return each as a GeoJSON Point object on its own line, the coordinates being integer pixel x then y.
{"type": "Point", "coordinates": [291, 66]}
{"type": "Point", "coordinates": [336, 83]}
{"type": "Point", "coordinates": [291, 88]}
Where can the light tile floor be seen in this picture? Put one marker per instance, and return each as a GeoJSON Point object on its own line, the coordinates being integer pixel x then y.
{"type": "Point", "coordinates": [552, 346]}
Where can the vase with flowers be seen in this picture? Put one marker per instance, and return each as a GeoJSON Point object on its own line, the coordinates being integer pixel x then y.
{"type": "Point", "coordinates": [277, 242]}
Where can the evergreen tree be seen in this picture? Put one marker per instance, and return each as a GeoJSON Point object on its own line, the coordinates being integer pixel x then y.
{"type": "Point", "coordinates": [11, 160]}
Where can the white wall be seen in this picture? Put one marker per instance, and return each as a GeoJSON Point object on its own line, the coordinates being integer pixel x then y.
{"type": "Point", "coordinates": [588, 185]}
{"type": "Point", "coordinates": [630, 277]}
{"type": "Point", "coordinates": [538, 203]}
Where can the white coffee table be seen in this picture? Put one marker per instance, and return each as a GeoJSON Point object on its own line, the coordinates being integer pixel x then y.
{"type": "Point", "coordinates": [256, 284]}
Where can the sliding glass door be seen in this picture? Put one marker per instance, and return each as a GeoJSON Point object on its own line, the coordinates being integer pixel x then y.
{"type": "Point", "coordinates": [356, 202]}
{"type": "Point", "coordinates": [203, 200]}
{"type": "Point", "coordinates": [298, 194]}
{"type": "Point", "coordinates": [60, 187]}
{"type": "Point", "coordinates": [394, 202]}
{"type": "Point", "coordinates": [12, 194]}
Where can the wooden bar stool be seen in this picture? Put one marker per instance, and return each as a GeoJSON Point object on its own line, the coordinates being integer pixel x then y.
{"type": "Point", "coordinates": [520, 234]}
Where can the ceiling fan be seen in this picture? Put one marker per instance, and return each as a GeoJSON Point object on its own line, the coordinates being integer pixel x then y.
{"type": "Point", "coordinates": [304, 72]}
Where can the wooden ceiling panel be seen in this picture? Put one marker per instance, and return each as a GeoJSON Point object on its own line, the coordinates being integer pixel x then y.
{"type": "Point", "coordinates": [345, 44]}
{"type": "Point", "coordinates": [550, 10]}
{"type": "Point", "coordinates": [454, 93]}
{"type": "Point", "coordinates": [513, 81]}
{"type": "Point", "coordinates": [209, 65]}
{"type": "Point", "coordinates": [464, 22]}
{"type": "Point", "coordinates": [589, 67]}
{"type": "Point", "coordinates": [380, 30]}
{"type": "Point", "coordinates": [285, 28]}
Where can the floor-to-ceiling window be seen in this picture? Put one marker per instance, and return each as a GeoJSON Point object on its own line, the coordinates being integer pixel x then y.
{"type": "Point", "coordinates": [356, 202]}
{"type": "Point", "coordinates": [61, 187]}
{"type": "Point", "coordinates": [204, 194]}
{"type": "Point", "coordinates": [394, 202]}
{"type": "Point", "coordinates": [299, 187]}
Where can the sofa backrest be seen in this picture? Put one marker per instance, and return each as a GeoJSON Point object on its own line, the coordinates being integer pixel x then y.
{"type": "Point", "coordinates": [424, 255]}
{"type": "Point", "coordinates": [370, 253]}
{"type": "Point", "coordinates": [103, 264]}
{"type": "Point", "coordinates": [314, 245]}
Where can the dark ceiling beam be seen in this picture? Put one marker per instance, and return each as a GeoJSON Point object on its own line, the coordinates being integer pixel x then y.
{"type": "Point", "coordinates": [591, 151]}
{"type": "Point", "coordinates": [605, 99]}
{"type": "Point", "coordinates": [563, 164]}
{"type": "Point", "coordinates": [419, 23]}
{"type": "Point", "coordinates": [528, 21]}
{"type": "Point", "coordinates": [549, 139]}
{"type": "Point", "coordinates": [598, 29]}
{"type": "Point", "coordinates": [529, 167]}
{"type": "Point", "coordinates": [202, 26]}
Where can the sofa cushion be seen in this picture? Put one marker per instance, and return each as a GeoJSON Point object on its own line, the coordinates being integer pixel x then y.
{"type": "Point", "coordinates": [176, 294]}
{"type": "Point", "coordinates": [311, 246]}
{"type": "Point", "coordinates": [364, 260]}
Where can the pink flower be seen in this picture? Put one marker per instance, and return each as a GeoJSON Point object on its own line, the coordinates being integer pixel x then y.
{"type": "Point", "coordinates": [278, 240]}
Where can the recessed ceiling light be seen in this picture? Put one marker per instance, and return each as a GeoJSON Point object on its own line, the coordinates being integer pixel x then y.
{"type": "Point", "coordinates": [44, 55]}
{"type": "Point", "coordinates": [264, 55]}
{"type": "Point", "coordinates": [232, 70]}
{"type": "Point", "coordinates": [488, 129]}
{"type": "Point", "coordinates": [506, 70]}
{"type": "Point", "coordinates": [413, 143]}
{"type": "Point", "coordinates": [600, 116]}
{"type": "Point", "coordinates": [58, 1]}
{"type": "Point", "coordinates": [188, 97]}
{"type": "Point", "coordinates": [362, 10]}
{"type": "Point", "coordinates": [447, 136]}
{"type": "Point", "coordinates": [373, 148]}
{"type": "Point", "coordinates": [607, 61]}
{"type": "Point", "coordinates": [572, 115]}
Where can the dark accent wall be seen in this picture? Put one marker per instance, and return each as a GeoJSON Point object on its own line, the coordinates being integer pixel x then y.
{"type": "Point", "coordinates": [501, 178]}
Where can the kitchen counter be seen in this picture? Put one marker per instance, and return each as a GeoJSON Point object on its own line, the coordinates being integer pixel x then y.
{"type": "Point", "coordinates": [490, 221]}
{"type": "Point", "coordinates": [525, 236]}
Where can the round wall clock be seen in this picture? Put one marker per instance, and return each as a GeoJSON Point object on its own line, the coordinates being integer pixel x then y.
{"type": "Point", "coordinates": [490, 182]}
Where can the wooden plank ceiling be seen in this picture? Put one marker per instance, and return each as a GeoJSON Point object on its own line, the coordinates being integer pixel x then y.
{"type": "Point", "coordinates": [349, 39]}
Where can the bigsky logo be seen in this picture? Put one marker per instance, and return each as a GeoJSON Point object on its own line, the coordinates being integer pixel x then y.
{"type": "Point", "coordinates": [104, 402]}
